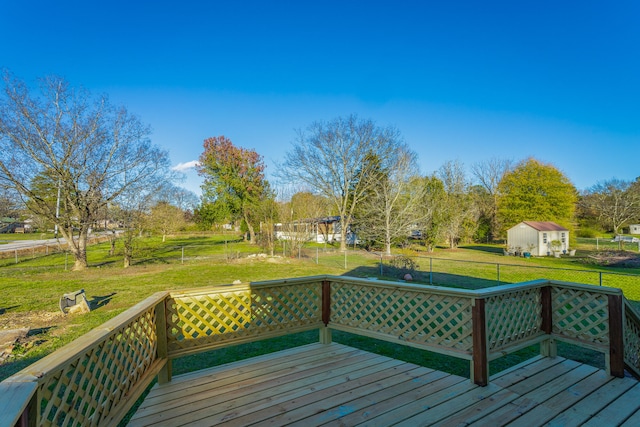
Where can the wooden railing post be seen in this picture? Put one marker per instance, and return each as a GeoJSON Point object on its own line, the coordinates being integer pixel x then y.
{"type": "Point", "coordinates": [164, 376]}
{"type": "Point", "coordinates": [616, 336]}
{"type": "Point", "coordinates": [548, 347]}
{"type": "Point", "coordinates": [30, 415]}
{"type": "Point", "coordinates": [325, 332]}
{"type": "Point", "coordinates": [480, 362]}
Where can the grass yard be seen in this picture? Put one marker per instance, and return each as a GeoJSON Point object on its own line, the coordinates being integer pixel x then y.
{"type": "Point", "coordinates": [30, 291]}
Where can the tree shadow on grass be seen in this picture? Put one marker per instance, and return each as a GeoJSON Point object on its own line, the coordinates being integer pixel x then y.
{"type": "Point", "coordinates": [423, 278]}
{"type": "Point", "coordinates": [3, 310]}
{"type": "Point", "coordinates": [204, 241]}
{"type": "Point", "coordinates": [489, 249]}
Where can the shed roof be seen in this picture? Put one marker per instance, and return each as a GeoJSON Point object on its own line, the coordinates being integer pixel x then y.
{"type": "Point", "coordinates": [544, 226]}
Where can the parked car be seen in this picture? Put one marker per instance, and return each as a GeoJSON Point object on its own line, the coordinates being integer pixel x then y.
{"type": "Point", "coordinates": [626, 239]}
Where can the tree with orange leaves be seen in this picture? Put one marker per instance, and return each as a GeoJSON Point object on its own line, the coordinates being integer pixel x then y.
{"type": "Point", "coordinates": [233, 177]}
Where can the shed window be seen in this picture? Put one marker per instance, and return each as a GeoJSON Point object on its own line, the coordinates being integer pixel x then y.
{"type": "Point", "coordinates": [544, 237]}
{"type": "Point", "coordinates": [563, 238]}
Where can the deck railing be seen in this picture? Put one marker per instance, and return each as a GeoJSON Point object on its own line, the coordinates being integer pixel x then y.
{"type": "Point", "coordinates": [96, 379]}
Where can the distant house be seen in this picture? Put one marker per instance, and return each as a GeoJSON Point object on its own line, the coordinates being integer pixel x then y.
{"type": "Point", "coordinates": [634, 229]}
{"type": "Point", "coordinates": [319, 230]}
{"type": "Point", "coordinates": [536, 237]}
{"type": "Point", "coordinates": [10, 225]}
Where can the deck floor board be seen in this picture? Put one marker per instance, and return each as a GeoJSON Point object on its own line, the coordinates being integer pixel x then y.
{"type": "Point", "coordinates": [334, 384]}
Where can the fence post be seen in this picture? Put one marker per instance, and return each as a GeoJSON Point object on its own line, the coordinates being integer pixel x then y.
{"type": "Point", "coordinates": [31, 416]}
{"type": "Point", "coordinates": [182, 260]}
{"type": "Point", "coordinates": [548, 347]}
{"type": "Point", "coordinates": [480, 362]}
{"type": "Point", "coordinates": [164, 376]}
{"type": "Point", "coordinates": [430, 271]}
{"type": "Point", "coordinates": [616, 337]}
{"type": "Point", "coordinates": [381, 272]}
{"type": "Point", "coordinates": [325, 332]}
{"type": "Point", "coordinates": [498, 271]}
{"type": "Point", "coordinates": [600, 274]}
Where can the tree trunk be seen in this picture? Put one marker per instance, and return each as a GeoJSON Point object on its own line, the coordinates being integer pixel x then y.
{"type": "Point", "coordinates": [252, 233]}
{"type": "Point", "coordinates": [343, 234]}
{"type": "Point", "coordinates": [128, 248]}
{"type": "Point", "coordinates": [80, 262]}
{"type": "Point", "coordinates": [387, 242]}
{"type": "Point", "coordinates": [78, 247]}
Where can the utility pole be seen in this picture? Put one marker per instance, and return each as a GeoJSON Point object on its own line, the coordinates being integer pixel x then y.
{"type": "Point", "coordinates": [57, 211]}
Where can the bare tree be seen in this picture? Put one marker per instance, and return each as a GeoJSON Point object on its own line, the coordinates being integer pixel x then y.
{"type": "Point", "coordinates": [89, 151]}
{"type": "Point", "coordinates": [299, 218]}
{"type": "Point", "coordinates": [268, 211]}
{"type": "Point", "coordinates": [165, 218]}
{"type": "Point", "coordinates": [391, 208]}
{"type": "Point", "coordinates": [330, 158]}
{"type": "Point", "coordinates": [179, 197]}
{"type": "Point", "coordinates": [459, 213]}
{"type": "Point", "coordinates": [9, 204]}
{"type": "Point", "coordinates": [134, 207]}
{"type": "Point", "coordinates": [616, 202]}
{"type": "Point", "coordinates": [489, 173]}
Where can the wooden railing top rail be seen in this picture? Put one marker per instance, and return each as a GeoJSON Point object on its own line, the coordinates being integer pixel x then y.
{"type": "Point", "coordinates": [441, 290]}
{"type": "Point", "coordinates": [208, 290]}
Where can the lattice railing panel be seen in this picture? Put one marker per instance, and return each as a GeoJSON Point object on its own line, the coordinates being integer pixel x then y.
{"type": "Point", "coordinates": [414, 316]}
{"type": "Point", "coordinates": [581, 314]}
{"type": "Point", "coordinates": [513, 317]}
{"type": "Point", "coordinates": [207, 319]}
{"type": "Point", "coordinates": [632, 340]}
{"type": "Point", "coordinates": [84, 391]}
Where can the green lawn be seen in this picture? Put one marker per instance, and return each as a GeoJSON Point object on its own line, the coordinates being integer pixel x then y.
{"type": "Point", "coordinates": [30, 289]}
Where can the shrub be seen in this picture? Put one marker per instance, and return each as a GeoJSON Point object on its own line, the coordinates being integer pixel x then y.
{"type": "Point", "coordinates": [404, 263]}
{"type": "Point", "coordinates": [587, 232]}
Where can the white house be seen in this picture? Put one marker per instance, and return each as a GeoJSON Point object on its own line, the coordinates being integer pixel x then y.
{"type": "Point", "coordinates": [319, 230]}
{"type": "Point", "coordinates": [536, 237]}
{"type": "Point", "coordinates": [634, 229]}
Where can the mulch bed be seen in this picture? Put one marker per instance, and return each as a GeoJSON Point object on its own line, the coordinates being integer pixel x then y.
{"type": "Point", "coordinates": [614, 259]}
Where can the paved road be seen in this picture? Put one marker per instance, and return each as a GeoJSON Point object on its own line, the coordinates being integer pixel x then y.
{"type": "Point", "coordinates": [27, 244]}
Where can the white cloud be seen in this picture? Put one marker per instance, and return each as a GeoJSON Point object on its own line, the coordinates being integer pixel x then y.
{"type": "Point", "coordinates": [185, 166]}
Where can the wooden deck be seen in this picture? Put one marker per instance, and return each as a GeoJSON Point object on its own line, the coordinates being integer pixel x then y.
{"type": "Point", "coordinates": [339, 385]}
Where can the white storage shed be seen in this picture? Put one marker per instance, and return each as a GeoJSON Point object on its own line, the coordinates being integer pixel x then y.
{"type": "Point", "coordinates": [535, 237]}
{"type": "Point", "coordinates": [634, 229]}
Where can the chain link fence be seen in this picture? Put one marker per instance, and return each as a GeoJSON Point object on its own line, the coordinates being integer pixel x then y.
{"type": "Point", "coordinates": [55, 252]}
{"type": "Point", "coordinates": [476, 275]}
{"type": "Point", "coordinates": [607, 244]}
{"type": "Point", "coordinates": [428, 270]}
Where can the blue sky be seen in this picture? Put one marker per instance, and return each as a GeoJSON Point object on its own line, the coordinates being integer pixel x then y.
{"type": "Point", "coordinates": [461, 80]}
